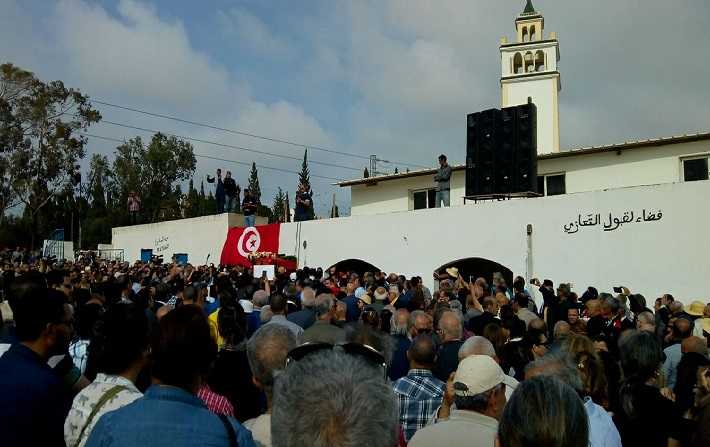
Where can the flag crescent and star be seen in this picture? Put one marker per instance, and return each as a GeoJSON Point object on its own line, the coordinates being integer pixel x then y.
{"type": "Point", "coordinates": [241, 242]}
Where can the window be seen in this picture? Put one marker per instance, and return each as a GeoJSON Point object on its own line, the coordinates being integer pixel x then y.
{"type": "Point", "coordinates": [695, 169]}
{"type": "Point", "coordinates": [424, 199]}
{"type": "Point", "coordinates": [551, 185]}
{"type": "Point", "coordinates": [518, 63]}
{"type": "Point", "coordinates": [539, 61]}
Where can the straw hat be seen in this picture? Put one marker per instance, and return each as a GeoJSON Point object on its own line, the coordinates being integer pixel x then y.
{"type": "Point", "coordinates": [452, 272]}
{"type": "Point", "coordinates": [696, 308]}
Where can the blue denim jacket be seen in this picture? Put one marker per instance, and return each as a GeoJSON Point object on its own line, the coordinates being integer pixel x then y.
{"type": "Point", "coordinates": [165, 416]}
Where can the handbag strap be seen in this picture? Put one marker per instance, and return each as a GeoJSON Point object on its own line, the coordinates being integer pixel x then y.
{"type": "Point", "coordinates": [230, 430]}
{"type": "Point", "coordinates": [108, 395]}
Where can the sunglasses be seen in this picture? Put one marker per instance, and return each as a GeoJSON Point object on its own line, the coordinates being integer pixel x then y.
{"type": "Point", "coordinates": [361, 350]}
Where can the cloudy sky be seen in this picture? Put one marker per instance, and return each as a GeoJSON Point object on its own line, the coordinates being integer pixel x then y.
{"type": "Point", "coordinates": [393, 78]}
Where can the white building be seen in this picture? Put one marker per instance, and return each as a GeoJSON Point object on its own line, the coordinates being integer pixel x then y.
{"type": "Point", "coordinates": [628, 214]}
{"type": "Point", "coordinates": [529, 70]}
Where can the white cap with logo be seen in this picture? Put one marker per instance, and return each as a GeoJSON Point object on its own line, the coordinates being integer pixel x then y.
{"type": "Point", "coordinates": [477, 374]}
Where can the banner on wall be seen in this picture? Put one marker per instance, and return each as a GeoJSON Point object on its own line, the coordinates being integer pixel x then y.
{"type": "Point", "coordinates": [242, 242]}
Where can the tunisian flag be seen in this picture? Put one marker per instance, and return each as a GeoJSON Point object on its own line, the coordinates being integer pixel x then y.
{"type": "Point", "coordinates": [243, 241]}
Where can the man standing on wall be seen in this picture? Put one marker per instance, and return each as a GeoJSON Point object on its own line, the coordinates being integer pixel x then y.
{"type": "Point", "coordinates": [231, 190]}
{"type": "Point", "coordinates": [219, 190]}
{"type": "Point", "coordinates": [134, 207]}
{"type": "Point", "coordinates": [443, 183]}
{"type": "Point", "coordinates": [249, 209]}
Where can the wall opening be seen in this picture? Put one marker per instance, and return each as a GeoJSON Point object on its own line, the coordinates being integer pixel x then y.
{"type": "Point", "coordinates": [518, 63]}
{"type": "Point", "coordinates": [354, 265]}
{"type": "Point", "coordinates": [532, 33]}
{"type": "Point", "coordinates": [529, 62]}
{"type": "Point", "coordinates": [525, 34]}
{"type": "Point", "coordinates": [539, 61]}
{"type": "Point", "coordinates": [472, 268]}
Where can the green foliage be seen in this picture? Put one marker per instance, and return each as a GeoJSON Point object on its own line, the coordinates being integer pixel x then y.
{"type": "Point", "coordinates": [41, 140]}
{"type": "Point", "coordinates": [254, 183]}
{"type": "Point", "coordinates": [279, 208]}
{"type": "Point", "coordinates": [304, 177]}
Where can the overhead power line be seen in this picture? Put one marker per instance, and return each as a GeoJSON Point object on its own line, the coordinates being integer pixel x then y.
{"type": "Point", "coordinates": [288, 171]}
{"type": "Point", "coordinates": [248, 134]}
{"type": "Point", "coordinates": [231, 146]}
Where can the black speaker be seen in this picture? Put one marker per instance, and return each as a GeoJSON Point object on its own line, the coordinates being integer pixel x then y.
{"type": "Point", "coordinates": [501, 151]}
{"type": "Point", "coordinates": [525, 170]}
{"type": "Point", "coordinates": [481, 146]}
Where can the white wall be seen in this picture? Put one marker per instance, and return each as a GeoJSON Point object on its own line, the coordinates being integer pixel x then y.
{"type": "Point", "coordinates": [592, 172]}
{"type": "Point", "coordinates": [198, 237]}
{"type": "Point", "coordinates": [633, 167]}
{"type": "Point", "coordinates": [651, 258]}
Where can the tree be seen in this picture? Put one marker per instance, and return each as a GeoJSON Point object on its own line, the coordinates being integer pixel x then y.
{"type": "Point", "coordinates": [99, 182]}
{"type": "Point", "coordinates": [279, 208]}
{"type": "Point", "coordinates": [287, 204]}
{"type": "Point", "coordinates": [254, 183]}
{"type": "Point", "coordinates": [41, 142]}
{"type": "Point", "coordinates": [153, 170]}
{"type": "Point", "coordinates": [304, 177]}
{"type": "Point", "coordinates": [192, 201]}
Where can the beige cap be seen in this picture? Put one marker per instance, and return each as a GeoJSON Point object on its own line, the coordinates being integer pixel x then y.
{"type": "Point", "coordinates": [477, 374]}
{"type": "Point", "coordinates": [453, 272]}
{"type": "Point", "coordinates": [367, 299]}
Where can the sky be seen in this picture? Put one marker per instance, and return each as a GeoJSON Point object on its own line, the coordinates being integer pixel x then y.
{"type": "Point", "coordinates": [394, 78]}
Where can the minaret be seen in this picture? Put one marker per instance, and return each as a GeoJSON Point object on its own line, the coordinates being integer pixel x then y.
{"type": "Point", "coordinates": [529, 69]}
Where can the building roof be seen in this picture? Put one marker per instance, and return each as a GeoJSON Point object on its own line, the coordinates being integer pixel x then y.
{"type": "Point", "coordinates": [582, 151]}
{"type": "Point", "coordinates": [529, 9]}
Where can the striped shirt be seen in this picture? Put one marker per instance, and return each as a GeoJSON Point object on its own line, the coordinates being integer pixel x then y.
{"type": "Point", "coordinates": [419, 395]}
{"type": "Point", "coordinates": [216, 403]}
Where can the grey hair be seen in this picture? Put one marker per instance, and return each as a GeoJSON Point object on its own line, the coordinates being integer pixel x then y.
{"type": "Point", "coordinates": [476, 345]}
{"type": "Point", "coordinates": [675, 306]}
{"type": "Point", "coordinates": [323, 304]}
{"type": "Point", "coordinates": [267, 350]}
{"type": "Point", "coordinates": [260, 298]}
{"type": "Point", "coordinates": [396, 328]}
{"type": "Point", "coordinates": [341, 415]}
{"type": "Point", "coordinates": [266, 314]}
{"type": "Point", "coordinates": [559, 365]}
{"type": "Point", "coordinates": [646, 317]}
{"type": "Point", "coordinates": [451, 330]}
{"type": "Point", "coordinates": [477, 402]}
{"type": "Point", "coordinates": [455, 305]}
{"type": "Point", "coordinates": [308, 297]}
{"type": "Point", "coordinates": [418, 313]}
{"type": "Point", "coordinates": [561, 329]}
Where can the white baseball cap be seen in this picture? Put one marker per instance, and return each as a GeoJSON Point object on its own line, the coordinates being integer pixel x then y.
{"type": "Point", "coordinates": [477, 374]}
{"type": "Point", "coordinates": [247, 305]}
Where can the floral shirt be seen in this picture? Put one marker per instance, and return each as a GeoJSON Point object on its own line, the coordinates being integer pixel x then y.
{"type": "Point", "coordinates": [86, 400]}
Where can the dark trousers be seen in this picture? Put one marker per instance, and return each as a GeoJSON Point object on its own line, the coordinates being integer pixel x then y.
{"type": "Point", "coordinates": [220, 204]}
{"type": "Point", "coordinates": [133, 215]}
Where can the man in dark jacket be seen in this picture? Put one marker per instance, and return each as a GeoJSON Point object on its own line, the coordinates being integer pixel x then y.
{"type": "Point", "coordinates": [231, 190]}
{"type": "Point", "coordinates": [219, 193]}
{"type": "Point", "coordinates": [451, 333]}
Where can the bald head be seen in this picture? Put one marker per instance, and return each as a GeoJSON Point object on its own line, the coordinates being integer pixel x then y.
{"type": "Point", "coordinates": [308, 297]}
{"type": "Point", "coordinates": [682, 329]}
{"type": "Point", "coordinates": [477, 345]}
{"type": "Point", "coordinates": [422, 353]}
{"type": "Point", "coordinates": [450, 325]}
{"type": "Point", "coordinates": [694, 344]}
{"type": "Point", "coordinates": [537, 324]}
{"type": "Point", "coordinates": [561, 330]}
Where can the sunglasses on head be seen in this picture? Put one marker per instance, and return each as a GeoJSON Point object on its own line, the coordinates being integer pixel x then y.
{"type": "Point", "coordinates": [365, 351]}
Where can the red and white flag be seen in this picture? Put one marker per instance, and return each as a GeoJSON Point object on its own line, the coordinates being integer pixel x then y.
{"type": "Point", "coordinates": [241, 242]}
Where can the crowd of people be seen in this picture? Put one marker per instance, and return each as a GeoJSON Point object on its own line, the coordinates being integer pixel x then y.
{"type": "Point", "coordinates": [99, 353]}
